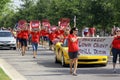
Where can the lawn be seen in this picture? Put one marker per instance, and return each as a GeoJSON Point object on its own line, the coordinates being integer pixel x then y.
{"type": "Point", "coordinates": [3, 76]}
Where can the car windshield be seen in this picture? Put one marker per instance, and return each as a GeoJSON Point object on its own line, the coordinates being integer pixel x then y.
{"type": "Point", "coordinates": [5, 34]}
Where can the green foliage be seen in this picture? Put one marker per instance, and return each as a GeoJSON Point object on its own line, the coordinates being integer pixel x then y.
{"type": "Point", "coordinates": [3, 76]}
{"type": "Point", "coordinates": [102, 14]}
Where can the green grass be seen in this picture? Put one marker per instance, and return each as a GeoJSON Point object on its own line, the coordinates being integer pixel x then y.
{"type": "Point", "coordinates": [3, 76]}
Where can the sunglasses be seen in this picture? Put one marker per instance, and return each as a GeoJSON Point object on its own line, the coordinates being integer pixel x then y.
{"type": "Point", "coordinates": [117, 31]}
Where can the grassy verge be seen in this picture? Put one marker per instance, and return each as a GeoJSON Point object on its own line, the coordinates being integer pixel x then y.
{"type": "Point", "coordinates": [3, 76]}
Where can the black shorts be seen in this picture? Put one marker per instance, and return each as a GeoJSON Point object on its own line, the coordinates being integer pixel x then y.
{"type": "Point", "coordinates": [45, 38]}
{"type": "Point", "coordinates": [73, 55]}
{"type": "Point", "coordinates": [24, 42]}
{"type": "Point", "coordinates": [50, 43]}
{"type": "Point", "coordinates": [18, 39]}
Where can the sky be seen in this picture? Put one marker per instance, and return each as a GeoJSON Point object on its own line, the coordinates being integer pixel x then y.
{"type": "Point", "coordinates": [17, 3]}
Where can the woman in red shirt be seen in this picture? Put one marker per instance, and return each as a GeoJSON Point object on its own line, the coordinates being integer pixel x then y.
{"type": "Point", "coordinates": [73, 49]}
{"type": "Point", "coordinates": [116, 49]}
{"type": "Point", "coordinates": [35, 33]}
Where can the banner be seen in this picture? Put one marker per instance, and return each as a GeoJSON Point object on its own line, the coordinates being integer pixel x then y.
{"type": "Point", "coordinates": [95, 45]}
{"type": "Point", "coordinates": [35, 24]}
{"type": "Point", "coordinates": [22, 24]}
{"type": "Point", "coordinates": [64, 22]}
{"type": "Point", "coordinates": [46, 23]}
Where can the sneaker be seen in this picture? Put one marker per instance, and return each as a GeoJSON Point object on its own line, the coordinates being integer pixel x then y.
{"type": "Point", "coordinates": [22, 53]}
{"type": "Point", "coordinates": [114, 70]}
{"type": "Point", "coordinates": [74, 74]}
{"type": "Point", "coordinates": [34, 57]}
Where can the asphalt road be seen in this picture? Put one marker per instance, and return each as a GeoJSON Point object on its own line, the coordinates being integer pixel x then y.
{"type": "Point", "coordinates": [44, 67]}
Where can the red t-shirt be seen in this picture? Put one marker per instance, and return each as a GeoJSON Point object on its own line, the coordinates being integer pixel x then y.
{"type": "Point", "coordinates": [92, 30]}
{"type": "Point", "coordinates": [19, 34]}
{"type": "Point", "coordinates": [44, 33]}
{"type": "Point", "coordinates": [116, 42]}
{"type": "Point", "coordinates": [59, 33]}
{"type": "Point", "coordinates": [35, 36]}
{"type": "Point", "coordinates": [24, 34]}
{"type": "Point", "coordinates": [65, 37]}
{"type": "Point", "coordinates": [52, 36]}
{"type": "Point", "coordinates": [72, 46]}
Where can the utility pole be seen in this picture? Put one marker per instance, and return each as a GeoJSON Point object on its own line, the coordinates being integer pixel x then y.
{"type": "Point", "coordinates": [74, 21]}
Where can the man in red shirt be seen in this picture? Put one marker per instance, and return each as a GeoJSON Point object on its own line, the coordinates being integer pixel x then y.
{"type": "Point", "coordinates": [73, 49]}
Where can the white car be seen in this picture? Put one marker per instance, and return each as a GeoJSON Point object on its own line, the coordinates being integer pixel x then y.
{"type": "Point", "coordinates": [7, 40]}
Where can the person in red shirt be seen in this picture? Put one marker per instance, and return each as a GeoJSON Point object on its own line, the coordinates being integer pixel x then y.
{"type": "Point", "coordinates": [35, 34]}
{"type": "Point", "coordinates": [66, 33]}
{"type": "Point", "coordinates": [73, 49]}
{"type": "Point", "coordinates": [52, 37]}
{"type": "Point", "coordinates": [59, 34]}
{"type": "Point", "coordinates": [18, 39]}
{"type": "Point", "coordinates": [92, 31]}
{"type": "Point", "coordinates": [24, 39]}
{"type": "Point", "coordinates": [44, 36]}
{"type": "Point", "coordinates": [116, 49]}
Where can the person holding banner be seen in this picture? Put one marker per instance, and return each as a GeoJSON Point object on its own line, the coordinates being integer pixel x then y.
{"type": "Point", "coordinates": [116, 49]}
{"type": "Point", "coordinates": [92, 31]}
{"type": "Point", "coordinates": [24, 38]}
{"type": "Point", "coordinates": [73, 49]}
{"type": "Point", "coordinates": [44, 36]}
{"type": "Point", "coordinates": [18, 39]}
{"type": "Point", "coordinates": [52, 37]}
{"type": "Point", "coordinates": [35, 33]}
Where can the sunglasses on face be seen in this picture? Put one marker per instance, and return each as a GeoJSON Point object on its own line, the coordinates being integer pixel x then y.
{"type": "Point", "coordinates": [117, 31]}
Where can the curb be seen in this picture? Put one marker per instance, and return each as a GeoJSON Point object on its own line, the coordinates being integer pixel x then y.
{"type": "Point", "coordinates": [10, 71]}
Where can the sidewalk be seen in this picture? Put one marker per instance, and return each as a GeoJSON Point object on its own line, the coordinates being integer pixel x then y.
{"type": "Point", "coordinates": [11, 71]}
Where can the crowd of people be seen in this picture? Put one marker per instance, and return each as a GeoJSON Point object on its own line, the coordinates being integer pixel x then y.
{"type": "Point", "coordinates": [89, 32]}
{"type": "Point", "coordinates": [43, 35]}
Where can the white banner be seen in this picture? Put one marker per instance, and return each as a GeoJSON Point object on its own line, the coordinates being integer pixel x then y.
{"type": "Point", "coordinates": [95, 45]}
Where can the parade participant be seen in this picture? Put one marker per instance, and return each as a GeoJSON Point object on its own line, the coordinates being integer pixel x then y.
{"type": "Point", "coordinates": [65, 37]}
{"type": "Point", "coordinates": [44, 36]}
{"type": "Point", "coordinates": [24, 38]}
{"type": "Point", "coordinates": [52, 37]}
{"type": "Point", "coordinates": [116, 48]}
{"type": "Point", "coordinates": [35, 36]}
{"type": "Point", "coordinates": [66, 33]}
{"type": "Point", "coordinates": [73, 49]}
{"type": "Point", "coordinates": [92, 31]}
{"type": "Point", "coordinates": [85, 32]}
{"type": "Point", "coordinates": [18, 39]}
{"type": "Point", "coordinates": [59, 33]}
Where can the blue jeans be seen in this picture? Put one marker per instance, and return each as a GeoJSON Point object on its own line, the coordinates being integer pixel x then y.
{"type": "Point", "coordinates": [34, 46]}
{"type": "Point", "coordinates": [115, 53]}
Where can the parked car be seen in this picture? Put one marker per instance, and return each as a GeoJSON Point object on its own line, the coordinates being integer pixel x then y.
{"type": "Point", "coordinates": [7, 40]}
{"type": "Point", "coordinates": [61, 55]}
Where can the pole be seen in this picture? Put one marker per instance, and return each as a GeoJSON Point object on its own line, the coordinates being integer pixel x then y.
{"type": "Point", "coordinates": [74, 21]}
